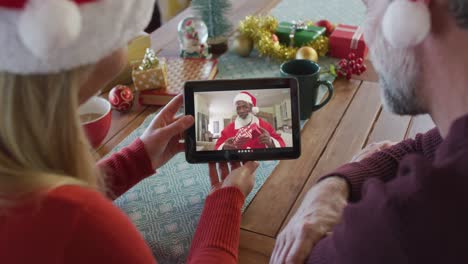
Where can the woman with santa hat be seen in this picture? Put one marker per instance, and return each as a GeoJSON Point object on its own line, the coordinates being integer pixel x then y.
{"type": "Point", "coordinates": [55, 202]}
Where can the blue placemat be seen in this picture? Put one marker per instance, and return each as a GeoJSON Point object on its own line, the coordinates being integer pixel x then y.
{"type": "Point", "coordinates": [166, 207]}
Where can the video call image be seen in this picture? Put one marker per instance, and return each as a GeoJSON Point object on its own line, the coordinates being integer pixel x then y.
{"type": "Point", "coordinates": [243, 119]}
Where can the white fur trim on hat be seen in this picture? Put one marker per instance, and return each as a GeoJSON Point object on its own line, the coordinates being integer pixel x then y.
{"type": "Point", "coordinates": [106, 25]}
{"type": "Point", "coordinates": [246, 98]}
{"type": "Point", "coordinates": [406, 23]}
{"type": "Point", "coordinates": [243, 97]}
{"type": "Point", "coordinates": [46, 26]}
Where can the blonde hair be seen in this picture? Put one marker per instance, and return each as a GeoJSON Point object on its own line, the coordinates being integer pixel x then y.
{"type": "Point", "coordinates": [42, 144]}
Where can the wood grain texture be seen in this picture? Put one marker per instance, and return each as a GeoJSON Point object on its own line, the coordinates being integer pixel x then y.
{"type": "Point", "coordinates": [389, 127]}
{"type": "Point", "coordinates": [349, 137]}
{"type": "Point", "coordinates": [420, 124]}
{"type": "Point", "coordinates": [273, 202]}
{"type": "Point", "coordinates": [255, 248]}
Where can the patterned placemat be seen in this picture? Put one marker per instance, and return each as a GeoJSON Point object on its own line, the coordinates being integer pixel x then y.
{"type": "Point", "coordinates": [166, 206]}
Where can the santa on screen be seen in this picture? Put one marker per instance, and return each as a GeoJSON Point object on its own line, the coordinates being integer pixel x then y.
{"type": "Point", "coordinates": [248, 131]}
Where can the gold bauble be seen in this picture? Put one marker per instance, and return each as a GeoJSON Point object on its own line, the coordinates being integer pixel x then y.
{"type": "Point", "coordinates": [307, 53]}
{"type": "Point", "coordinates": [242, 45]}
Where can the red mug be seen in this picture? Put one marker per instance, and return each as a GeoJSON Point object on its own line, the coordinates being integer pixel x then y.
{"type": "Point", "coordinates": [96, 116]}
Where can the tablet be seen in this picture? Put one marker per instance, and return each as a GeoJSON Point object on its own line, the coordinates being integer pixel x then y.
{"type": "Point", "coordinates": [242, 120]}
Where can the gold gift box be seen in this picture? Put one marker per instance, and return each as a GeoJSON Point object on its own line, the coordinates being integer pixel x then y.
{"type": "Point", "coordinates": [153, 78]}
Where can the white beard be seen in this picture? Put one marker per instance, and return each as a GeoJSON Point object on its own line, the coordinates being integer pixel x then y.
{"type": "Point", "coordinates": [245, 122]}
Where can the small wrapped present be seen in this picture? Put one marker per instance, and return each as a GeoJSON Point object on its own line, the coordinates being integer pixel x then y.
{"type": "Point", "coordinates": [347, 39]}
{"type": "Point", "coordinates": [251, 131]}
{"type": "Point", "coordinates": [298, 34]}
{"type": "Point", "coordinates": [151, 73]}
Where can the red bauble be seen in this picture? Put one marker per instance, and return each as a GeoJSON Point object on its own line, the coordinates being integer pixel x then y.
{"type": "Point", "coordinates": [327, 25]}
{"type": "Point", "coordinates": [121, 98]}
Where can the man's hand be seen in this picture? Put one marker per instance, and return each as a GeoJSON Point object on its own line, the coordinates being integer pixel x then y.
{"type": "Point", "coordinates": [265, 138]}
{"type": "Point", "coordinates": [371, 149]}
{"type": "Point", "coordinates": [240, 177]}
{"type": "Point", "coordinates": [229, 144]}
{"type": "Point", "coordinates": [319, 212]}
{"type": "Point", "coordinates": [161, 138]}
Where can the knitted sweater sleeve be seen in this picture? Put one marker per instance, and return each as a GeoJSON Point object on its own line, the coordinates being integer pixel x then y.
{"type": "Point", "coordinates": [384, 164]}
{"type": "Point", "coordinates": [126, 168]}
{"type": "Point", "coordinates": [217, 236]}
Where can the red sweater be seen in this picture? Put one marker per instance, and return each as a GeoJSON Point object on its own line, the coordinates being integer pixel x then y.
{"type": "Point", "coordinates": [412, 207]}
{"type": "Point", "coordinates": [72, 224]}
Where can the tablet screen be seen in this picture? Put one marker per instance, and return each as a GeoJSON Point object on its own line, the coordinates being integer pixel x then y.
{"type": "Point", "coordinates": [243, 119]}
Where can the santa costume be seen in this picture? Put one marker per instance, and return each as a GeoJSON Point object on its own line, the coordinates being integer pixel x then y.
{"type": "Point", "coordinates": [231, 130]}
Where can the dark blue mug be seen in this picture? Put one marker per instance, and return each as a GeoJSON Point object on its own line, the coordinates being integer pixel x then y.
{"type": "Point", "coordinates": [307, 74]}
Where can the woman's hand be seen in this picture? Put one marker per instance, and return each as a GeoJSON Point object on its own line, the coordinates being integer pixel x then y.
{"type": "Point", "coordinates": [161, 138]}
{"type": "Point", "coordinates": [242, 177]}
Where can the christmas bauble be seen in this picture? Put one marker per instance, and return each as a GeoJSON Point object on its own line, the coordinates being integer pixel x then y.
{"type": "Point", "coordinates": [307, 53]}
{"type": "Point", "coordinates": [121, 98]}
{"type": "Point", "coordinates": [327, 25]}
{"type": "Point", "coordinates": [242, 45]}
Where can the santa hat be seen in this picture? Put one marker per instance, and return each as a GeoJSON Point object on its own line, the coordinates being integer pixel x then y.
{"type": "Point", "coordinates": [407, 23]}
{"type": "Point", "coordinates": [47, 36]}
{"type": "Point", "coordinates": [249, 98]}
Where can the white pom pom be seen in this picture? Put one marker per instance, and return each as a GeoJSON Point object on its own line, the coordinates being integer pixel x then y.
{"type": "Point", "coordinates": [406, 23]}
{"type": "Point", "coordinates": [255, 110]}
{"type": "Point", "coordinates": [49, 25]}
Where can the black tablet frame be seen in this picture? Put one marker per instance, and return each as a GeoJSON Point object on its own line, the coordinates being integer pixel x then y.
{"type": "Point", "coordinates": [194, 156]}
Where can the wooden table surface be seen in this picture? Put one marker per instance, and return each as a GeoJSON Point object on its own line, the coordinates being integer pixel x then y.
{"type": "Point", "coordinates": [352, 119]}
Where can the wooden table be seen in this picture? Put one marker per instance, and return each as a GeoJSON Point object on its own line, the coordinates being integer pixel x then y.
{"type": "Point", "coordinates": [352, 119]}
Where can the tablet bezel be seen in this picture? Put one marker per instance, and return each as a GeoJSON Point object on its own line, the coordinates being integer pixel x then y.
{"type": "Point", "coordinates": [194, 156]}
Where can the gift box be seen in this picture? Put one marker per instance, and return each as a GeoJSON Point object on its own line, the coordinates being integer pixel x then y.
{"type": "Point", "coordinates": [151, 73]}
{"type": "Point", "coordinates": [303, 33]}
{"type": "Point", "coordinates": [136, 52]}
{"type": "Point", "coordinates": [347, 39]}
{"type": "Point", "coordinates": [251, 131]}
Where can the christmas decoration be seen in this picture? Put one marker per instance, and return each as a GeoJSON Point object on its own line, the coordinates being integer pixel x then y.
{"type": "Point", "coordinates": [261, 28]}
{"type": "Point", "coordinates": [307, 53]}
{"type": "Point", "coordinates": [121, 98]}
{"type": "Point", "coordinates": [298, 33]}
{"type": "Point", "coordinates": [213, 13]}
{"type": "Point", "coordinates": [346, 39]}
{"type": "Point", "coordinates": [352, 65]}
{"type": "Point", "coordinates": [151, 73]}
{"type": "Point", "coordinates": [327, 25]}
{"type": "Point", "coordinates": [251, 131]}
{"type": "Point", "coordinates": [51, 36]}
{"type": "Point", "coordinates": [242, 45]}
{"type": "Point", "coordinates": [193, 35]}
{"type": "Point", "coordinates": [400, 32]}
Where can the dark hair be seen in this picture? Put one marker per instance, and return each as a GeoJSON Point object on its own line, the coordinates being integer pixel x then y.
{"type": "Point", "coordinates": [459, 9]}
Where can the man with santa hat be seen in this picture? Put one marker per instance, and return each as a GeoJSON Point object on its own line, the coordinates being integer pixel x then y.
{"type": "Point", "coordinates": [248, 131]}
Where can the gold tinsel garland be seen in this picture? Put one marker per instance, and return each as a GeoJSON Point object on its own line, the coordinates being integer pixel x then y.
{"type": "Point", "coordinates": [261, 29]}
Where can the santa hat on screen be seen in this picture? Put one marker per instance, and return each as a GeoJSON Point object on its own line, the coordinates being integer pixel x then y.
{"type": "Point", "coordinates": [249, 98]}
{"type": "Point", "coordinates": [406, 23]}
{"type": "Point", "coordinates": [46, 36]}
